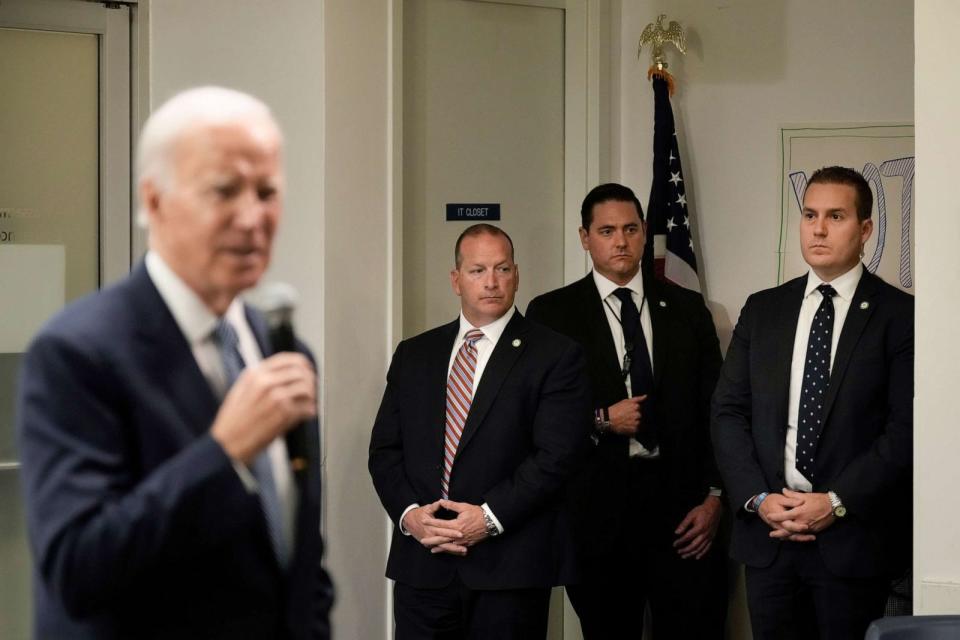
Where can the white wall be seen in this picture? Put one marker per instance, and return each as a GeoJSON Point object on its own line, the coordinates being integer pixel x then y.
{"type": "Point", "coordinates": [322, 67]}
{"type": "Point", "coordinates": [751, 66]}
{"type": "Point", "coordinates": [358, 296]}
{"type": "Point", "coordinates": [936, 437]}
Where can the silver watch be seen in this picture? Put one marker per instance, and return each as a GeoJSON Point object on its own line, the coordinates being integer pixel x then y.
{"type": "Point", "coordinates": [838, 509]}
{"type": "Point", "coordinates": [492, 529]}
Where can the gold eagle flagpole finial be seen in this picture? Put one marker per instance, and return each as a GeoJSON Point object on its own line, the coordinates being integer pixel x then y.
{"type": "Point", "coordinates": [656, 35]}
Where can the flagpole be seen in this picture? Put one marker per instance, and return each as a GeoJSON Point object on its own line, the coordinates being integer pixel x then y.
{"type": "Point", "coordinates": [669, 251]}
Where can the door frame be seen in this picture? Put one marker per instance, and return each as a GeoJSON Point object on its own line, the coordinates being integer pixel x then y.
{"type": "Point", "coordinates": [113, 26]}
{"type": "Point", "coordinates": [584, 115]}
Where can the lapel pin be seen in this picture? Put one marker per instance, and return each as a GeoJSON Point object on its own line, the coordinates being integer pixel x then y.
{"type": "Point", "coordinates": [516, 342]}
{"type": "Point", "coordinates": [864, 305]}
{"type": "Point", "coordinates": [663, 303]}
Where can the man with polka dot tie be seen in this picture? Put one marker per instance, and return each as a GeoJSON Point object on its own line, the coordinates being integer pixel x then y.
{"type": "Point", "coordinates": [812, 427]}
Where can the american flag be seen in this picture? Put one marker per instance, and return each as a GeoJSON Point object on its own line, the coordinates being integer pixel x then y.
{"type": "Point", "coordinates": [669, 251]}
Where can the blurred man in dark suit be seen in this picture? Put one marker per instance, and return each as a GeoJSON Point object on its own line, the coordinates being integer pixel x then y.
{"type": "Point", "coordinates": [160, 499]}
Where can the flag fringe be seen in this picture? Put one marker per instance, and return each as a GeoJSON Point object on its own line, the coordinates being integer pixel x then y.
{"type": "Point", "coordinates": [656, 71]}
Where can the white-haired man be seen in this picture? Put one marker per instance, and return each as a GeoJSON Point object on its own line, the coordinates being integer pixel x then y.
{"type": "Point", "coordinates": [151, 414]}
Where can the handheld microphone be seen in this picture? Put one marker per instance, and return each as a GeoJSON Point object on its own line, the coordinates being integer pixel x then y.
{"type": "Point", "coordinates": [277, 301]}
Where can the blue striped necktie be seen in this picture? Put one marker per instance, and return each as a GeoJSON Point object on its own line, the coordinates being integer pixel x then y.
{"type": "Point", "coordinates": [226, 337]}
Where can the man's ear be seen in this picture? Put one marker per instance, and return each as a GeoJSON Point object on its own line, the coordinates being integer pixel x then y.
{"type": "Point", "coordinates": [866, 230]}
{"type": "Point", "coordinates": [150, 198]}
{"type": "Point", "coordinates": [455, 280]}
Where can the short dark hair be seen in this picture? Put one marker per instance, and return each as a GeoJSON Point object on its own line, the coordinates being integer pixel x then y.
{"type": "Point", "coordinates": [850, 177]}
{"type": "Point", "coordinates": [606, 193]}
{"type": "Point", "coordinates": [478, 230]}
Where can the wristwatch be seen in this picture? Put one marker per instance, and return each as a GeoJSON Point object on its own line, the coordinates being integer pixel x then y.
{"type": "Point", "coordinates": [491, 525]}
{"type": "Point", "coordinates": [601, 420]}
{"type": "Point", "coordinates": [838, 509]}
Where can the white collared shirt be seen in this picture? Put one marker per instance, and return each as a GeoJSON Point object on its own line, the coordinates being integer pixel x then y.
{"type": "Point", "coordinates": [197, 323]}
{"type": "Point", "coordinates": [845, 286]}
{"type": "Point", "coordinates": [611, 307]}
{"type": "Point", "coordinates": [484, 346]}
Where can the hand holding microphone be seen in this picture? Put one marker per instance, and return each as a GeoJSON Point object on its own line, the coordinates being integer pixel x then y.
{"type": "Point", "coordinates": [273, 397]}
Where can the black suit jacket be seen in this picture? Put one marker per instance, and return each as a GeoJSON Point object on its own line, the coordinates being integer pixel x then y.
{"type": "Point", "coordinates": [139, 524]}
{"type": "Point", "coordinates": [866, 441]}
{"type": "Point", "coordinates": [525, 434]}
{"type": "Point", "coordinates": [686, 362]}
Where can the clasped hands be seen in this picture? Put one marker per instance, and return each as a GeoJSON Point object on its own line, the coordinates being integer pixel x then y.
{"type": "Point", "coordinates": [796, 516]}
{"type": "Point", "coordinates": [447, 536]}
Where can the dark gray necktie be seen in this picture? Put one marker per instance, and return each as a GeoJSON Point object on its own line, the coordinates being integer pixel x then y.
{"type": "Point", "coordinates": [226, 338]}
{"type": "Point", "coordinates": [641, 373]}
{"type": "Point", "coordinates": [816, 379]}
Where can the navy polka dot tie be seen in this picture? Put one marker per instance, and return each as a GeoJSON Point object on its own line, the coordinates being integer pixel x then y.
{"type": "Point", "coordinates": [816, 378]}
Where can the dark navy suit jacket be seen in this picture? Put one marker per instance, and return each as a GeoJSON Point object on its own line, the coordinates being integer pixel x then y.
{"type": "Point", "coordinates": [865, 450]}
{"type": "Point", "coordinates": [526, 433]}
{"type": "Point", "coordinates": [140, 526]}
{"type": "Point", "coordinates": [686, 363]}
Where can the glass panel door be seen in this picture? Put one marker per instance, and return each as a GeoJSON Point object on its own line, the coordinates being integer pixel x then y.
{"type": "Point", "coordinates": [58, 238]}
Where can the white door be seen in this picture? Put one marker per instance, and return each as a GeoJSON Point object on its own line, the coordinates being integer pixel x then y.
{"type": "Point", "coordinates": [64, 206]}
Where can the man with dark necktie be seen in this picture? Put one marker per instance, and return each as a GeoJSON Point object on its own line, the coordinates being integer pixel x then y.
{"type": "Point", "coordinates": [647, 506]}
{"type": "Point", "coordinates": [152, 415]}
{"type": "Point", "coordinates": [482, 422]}
{"type": "Point", "coordinates": [813, 425]}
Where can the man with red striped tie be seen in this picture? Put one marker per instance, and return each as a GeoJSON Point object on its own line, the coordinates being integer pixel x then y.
{"type": "Point", "coordinates": [482, 422]}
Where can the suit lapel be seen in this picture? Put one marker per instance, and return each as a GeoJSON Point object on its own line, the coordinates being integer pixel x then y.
{"type": "Point", "coordinates": [861, 309]}
{"type": "Point", "coordinates": [598, 328]}
{"type": "Point", "coordinates": [168, 358]}
{"type": "Point", "coordinates": [788, 313]}
{"type": "Point", "coordinates": [436, 367]}
{"type": "Point", "coordinates": [509, 348]}
{"type": "Point", "coordinates": [662, 326]}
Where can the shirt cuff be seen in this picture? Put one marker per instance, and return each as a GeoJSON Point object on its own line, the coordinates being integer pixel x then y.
{"type": "Point", "coordinates": [403, 515]}
{"type": "Point", "coordinates": [487, 510]}
{"type": "Point", "coordinates": [716, 492]}
{"type": "Point", "coordinates": [249, 482]}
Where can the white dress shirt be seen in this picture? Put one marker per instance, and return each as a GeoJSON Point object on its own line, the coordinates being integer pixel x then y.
{"type": "Point", "coordinates": [611, 306]}
{"type": "Point", "coordinates": [484, 346]}
{"type": "Point", "coordinates": [845, 286]}
{"type": "Point", "coordinates": [197, 323]}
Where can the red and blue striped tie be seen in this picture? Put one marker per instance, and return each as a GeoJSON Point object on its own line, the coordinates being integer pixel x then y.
{"type": "Point", "coordinates": [459, 397]}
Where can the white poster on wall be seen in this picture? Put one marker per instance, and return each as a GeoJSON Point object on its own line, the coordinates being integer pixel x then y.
{"type": "Point", "coordinates": [884, 154]}
{"type": "Point", "coordinates": [32, 289]}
